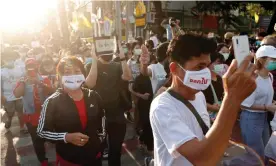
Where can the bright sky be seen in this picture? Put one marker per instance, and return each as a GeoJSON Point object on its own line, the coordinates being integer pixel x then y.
{"type": "Point", "coordinates": [18, 15]}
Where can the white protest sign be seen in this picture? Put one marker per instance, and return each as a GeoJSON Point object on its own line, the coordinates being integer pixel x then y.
{"type": "Point", "coordinates": [211, 35]}
{"type": "Point", "coordinates": [105, 45]}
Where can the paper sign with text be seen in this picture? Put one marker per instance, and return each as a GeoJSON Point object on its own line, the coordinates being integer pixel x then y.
{"type": "Point", "coordinates": [105, 45]}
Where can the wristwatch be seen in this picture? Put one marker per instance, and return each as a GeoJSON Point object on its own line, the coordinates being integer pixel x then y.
{"type": "Point", "coordinates": [122, 59]}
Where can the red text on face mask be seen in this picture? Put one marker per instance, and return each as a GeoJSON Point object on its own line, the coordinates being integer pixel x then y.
{"type": "Point", "coordinates": [202, 81]}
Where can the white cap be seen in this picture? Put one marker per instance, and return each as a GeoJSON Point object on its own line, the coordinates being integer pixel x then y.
{"type": "Point", "coordinates": [266, 51]}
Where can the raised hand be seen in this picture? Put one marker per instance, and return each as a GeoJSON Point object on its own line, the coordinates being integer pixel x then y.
{"type": "Point", "coordinates": [144, 58]}
{"type": "Point", "coordinates": [93, 52]}
{"type": "Point", "coordinates": [122, 54]}
{"type": "Point", "coordinates": [239, 82]}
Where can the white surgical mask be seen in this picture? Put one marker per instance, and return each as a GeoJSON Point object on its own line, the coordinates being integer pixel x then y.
{"type": "Point", "coordinates": [219, 69]}
{"type": "Point", "coordinates": [137, 51]}
{"type": "Point", "coordinates": [73, 82]}
{"type": "Point", "coordinates": [225, 55]}
{"type": "Point", "coordinates": [198, 80]}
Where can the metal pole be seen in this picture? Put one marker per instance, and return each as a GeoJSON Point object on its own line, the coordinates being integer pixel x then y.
{"type": "Point", "coordinates": [118, 20]}
{"type": "Point", "coordinates": [127, 20]}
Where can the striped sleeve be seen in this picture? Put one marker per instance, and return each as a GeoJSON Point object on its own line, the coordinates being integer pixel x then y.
{"type": "Point", "coordinates": [45, 127]}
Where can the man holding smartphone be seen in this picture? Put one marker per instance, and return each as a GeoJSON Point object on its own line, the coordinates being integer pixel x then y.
{"type": "Point", "coordinates": [179, 119]}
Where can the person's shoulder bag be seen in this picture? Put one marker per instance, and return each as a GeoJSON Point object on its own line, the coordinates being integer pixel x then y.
{"type": "Point", "coordinates": [202, 124]}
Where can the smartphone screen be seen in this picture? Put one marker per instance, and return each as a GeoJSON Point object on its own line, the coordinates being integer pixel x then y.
{"type": "Point", "coordinates": [241, 47]}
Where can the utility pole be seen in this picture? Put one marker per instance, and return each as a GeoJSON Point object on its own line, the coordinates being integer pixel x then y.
{"type": "Point", "coordinates": [118, 20]}
{"type": "Point", "coordinates": [63, 22]}
{"type": "Point", "coordinates": [127, 20]}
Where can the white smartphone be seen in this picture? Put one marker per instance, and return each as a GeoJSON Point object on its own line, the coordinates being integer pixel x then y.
{"type": "Point", "coordinates": [241, 47]}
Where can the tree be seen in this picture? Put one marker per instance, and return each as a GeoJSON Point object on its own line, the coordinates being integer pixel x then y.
{"type": "Point", "coordinates": [222, 9]}
{"type": "Point", "coordinates": [226, 17]}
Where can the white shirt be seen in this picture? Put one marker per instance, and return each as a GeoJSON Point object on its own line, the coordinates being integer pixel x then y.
{"type": "Point", "coordinates": [173, 124]}
{"type": "Point", "coordinates": [263, 94]}
{"type": "Point", "coordinates": [158, 76]}
{"type": "Point", "coordinates": [155, 41]}
{"type": "Point", "coordinates": [9, 78]}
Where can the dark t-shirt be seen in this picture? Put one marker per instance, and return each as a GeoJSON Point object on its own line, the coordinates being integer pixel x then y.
{"type": "Point", "coordinates": [108, 87]}
{"type": "Point", "coordinates": [218, 86]}
{"type": "Point", "coordinates": [142, 84]}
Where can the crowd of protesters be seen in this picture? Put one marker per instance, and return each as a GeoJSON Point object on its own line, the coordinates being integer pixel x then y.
{"type": "Point", "coordinates": [187, 93]}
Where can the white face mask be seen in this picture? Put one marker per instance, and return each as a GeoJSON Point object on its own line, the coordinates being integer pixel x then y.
{"type": "Point", "coordinates": [137, 51]}
{"type": "Point", "coordinates": [219, 69]}
{"type": "Point", "coordinates": [73, 82]}
{"type": "Point", "coordinates": [198, 80]}
{"type": "Point", "coordinates": [225, 55]}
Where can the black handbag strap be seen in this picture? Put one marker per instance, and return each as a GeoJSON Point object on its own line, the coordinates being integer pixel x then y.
{"type": "Point", "coordinates": [202, 124]}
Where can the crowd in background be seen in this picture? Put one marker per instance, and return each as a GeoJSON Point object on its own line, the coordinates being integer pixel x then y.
{"type": "Point", "coordinates": [81, 102]}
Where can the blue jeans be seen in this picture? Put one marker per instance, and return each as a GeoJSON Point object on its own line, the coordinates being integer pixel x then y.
{"type": "Point", "coordinates": [255, 130]}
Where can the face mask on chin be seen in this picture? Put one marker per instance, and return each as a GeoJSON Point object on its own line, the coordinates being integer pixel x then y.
{"type": "Point", "coordinates": [73, 82]}
{"type": "Point", "coordinates": [197, 80]}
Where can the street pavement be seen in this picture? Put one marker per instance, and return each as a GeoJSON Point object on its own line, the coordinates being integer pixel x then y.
{"type": "Point", "coordinates": [17, 149]}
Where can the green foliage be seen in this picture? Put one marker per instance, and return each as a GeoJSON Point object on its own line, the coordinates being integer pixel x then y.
{"type": "Point", "coordinates": [224, 11]}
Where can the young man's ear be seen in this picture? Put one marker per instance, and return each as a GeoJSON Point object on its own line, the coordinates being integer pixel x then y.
{"type": "Point", "coordinates": [173, 67]}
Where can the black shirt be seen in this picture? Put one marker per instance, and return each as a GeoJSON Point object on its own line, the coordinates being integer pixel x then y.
{"type": "Point", "coordinates": [218, 86]}
{"type": "Point", "coordinates": [108, 87]}
{"type": "Point", "coordinates": [142, 84]}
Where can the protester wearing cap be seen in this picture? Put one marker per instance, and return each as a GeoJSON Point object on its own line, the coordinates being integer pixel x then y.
{"type": "Point", "coordinates": [34, 89]}
{"type": "Point", "coordinates": [71, 117]}
{"type": "Point", "coordinates": [253, 120]}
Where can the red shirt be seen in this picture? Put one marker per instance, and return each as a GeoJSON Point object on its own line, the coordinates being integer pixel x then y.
{"type": "Point", "coordinates": [82, 112]}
